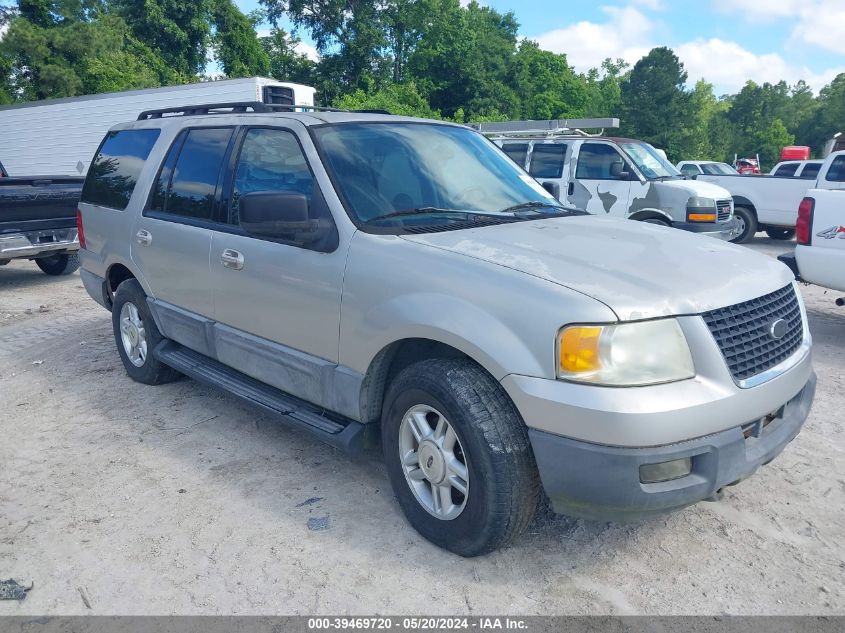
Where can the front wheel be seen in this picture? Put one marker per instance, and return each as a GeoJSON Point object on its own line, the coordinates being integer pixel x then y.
{"type": "Point", "coordinates": [780, 234]}
{"type": "Point", "coordinates": [56, 265]}
{"type": "Point", "coordinates": [458, 456]}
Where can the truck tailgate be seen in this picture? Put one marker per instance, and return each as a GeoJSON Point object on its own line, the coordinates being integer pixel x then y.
{"type": "Point", "coordinates": [38, 203]}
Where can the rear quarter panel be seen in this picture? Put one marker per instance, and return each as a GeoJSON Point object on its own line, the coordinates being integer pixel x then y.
{"type": "Point", "coordinates": [823, 262]}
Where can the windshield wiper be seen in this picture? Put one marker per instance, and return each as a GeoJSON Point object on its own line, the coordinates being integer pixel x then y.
{"type": "Point", "coordinates": [533, 204]}
{"type": "Point", "coordinates": [416, 211]}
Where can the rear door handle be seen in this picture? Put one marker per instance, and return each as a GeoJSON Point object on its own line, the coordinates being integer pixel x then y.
{"type": "Point", "coordinates": [144, 237]}
{"type": "Point", "coordinates": [232, 259]}
{"type": "Point", "coordinates": [571, 189]}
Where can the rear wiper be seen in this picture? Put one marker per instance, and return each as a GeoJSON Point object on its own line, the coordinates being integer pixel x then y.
{"type": "Point", "coordinates": [415, 211]}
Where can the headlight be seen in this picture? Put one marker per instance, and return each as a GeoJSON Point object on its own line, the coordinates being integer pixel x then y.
{"type": "Point", "coordinates": [626, 354]}
{"type": "Point", "coordinates": [701, 209]}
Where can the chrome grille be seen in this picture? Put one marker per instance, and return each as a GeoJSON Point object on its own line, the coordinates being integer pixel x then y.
{"type": "Point", "coordinates": [723, 207]}
{"type": "Point", "coordinates": [743, 332]}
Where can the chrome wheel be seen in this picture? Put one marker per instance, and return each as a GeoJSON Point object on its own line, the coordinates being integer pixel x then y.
{"type": "Point", "coordinates": [434, 462]}
{"type": "Point", "coordinates": [133, 335]}
{"type": "Point", "coordinates": [740, 224]}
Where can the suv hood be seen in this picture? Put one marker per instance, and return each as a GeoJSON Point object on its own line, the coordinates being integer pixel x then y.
{"type": "Point", "coordinates": [639, 270]}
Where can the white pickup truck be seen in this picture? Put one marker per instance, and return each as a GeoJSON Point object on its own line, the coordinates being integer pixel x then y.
{"type": "Point", "coordinates": [770, 203]}
{"type": "Point", "coordinates": [820, 254]}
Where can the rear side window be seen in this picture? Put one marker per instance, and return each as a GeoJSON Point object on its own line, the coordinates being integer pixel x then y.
{"type": "Point", "coordinates": [690, 170]}
{"type": "Point", "coordinates": [836, 173]}
{"type": "Point", "coordinates": [517, 152]}
{"type": "Point", "coordinates": [788, 169]}
{"type": "Point", "coordinates": [547, 160]}
{"type": "Point", "coordinates": [811, 171]}
{"type": "Point", "coordinates": [116, 167]}
{"type": "Point", "coordinates": [187, 183]}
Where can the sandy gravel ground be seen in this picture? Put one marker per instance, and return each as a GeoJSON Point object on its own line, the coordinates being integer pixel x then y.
{"type": "Point", "coordinates": [117, 498]}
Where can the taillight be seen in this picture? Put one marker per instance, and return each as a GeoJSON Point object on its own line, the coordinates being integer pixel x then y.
{"type": "Point", "coordinates": [804, 225]}
{"type": "Point", "coordinates": [79, 229]}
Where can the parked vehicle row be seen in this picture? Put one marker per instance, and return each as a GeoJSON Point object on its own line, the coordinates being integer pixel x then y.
{"type": "Point", "coordinates": [373, 277]}
{"type": "Point", "coordinates": [38, 221]}
{"type": "Point", "coordinates": [770, 203]}
{"type": "Point", "coordinates": [616, 177]}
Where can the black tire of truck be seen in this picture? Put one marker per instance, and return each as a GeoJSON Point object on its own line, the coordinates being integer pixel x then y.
{"type": "Point", "coordinates": [145, 368]}
{"type": "Point", "coordinates": [490, 440]}
{"type": "Point", "coordinates": [780, 234]}
{"type": "Point", "coordinates": [57, 265]}
{"type": "Point", "coordinates": [748, 220]}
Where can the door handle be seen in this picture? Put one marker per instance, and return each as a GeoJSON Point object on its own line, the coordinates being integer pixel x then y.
{"type": "Point", "coordinates": [232, 259]}
{"type": "Point", "coordinates": [144, 237]}
{"type": "Point", "coordinates": [571, 189]}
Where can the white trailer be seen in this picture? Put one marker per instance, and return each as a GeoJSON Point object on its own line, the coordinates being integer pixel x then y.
{"type": "Point", "coordinates": [60, 136]}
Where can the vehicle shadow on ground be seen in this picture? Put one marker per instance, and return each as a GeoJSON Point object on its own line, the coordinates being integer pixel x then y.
{"type": "Point", "coordinates": [255, 457]}
{"type": "Point", "coordinates": [31, 276]}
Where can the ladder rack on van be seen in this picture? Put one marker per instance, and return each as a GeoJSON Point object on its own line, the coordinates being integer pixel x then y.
{"type": "Point", "coordinates": [550, 128]}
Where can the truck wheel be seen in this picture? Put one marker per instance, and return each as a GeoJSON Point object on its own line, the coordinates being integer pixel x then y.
{"type": "Point", "coordinates": [780, 234]}
{"type": "Point", "coordinates": [458, 456]}
{"type": "Point", "coordinates": [656, 221]}
{"type": "Point", "coordinates": [747, 221]}
{"type": "Point", "coordinates": [136, 335]}
{"type": "Point", "coordinates": [57, 265]}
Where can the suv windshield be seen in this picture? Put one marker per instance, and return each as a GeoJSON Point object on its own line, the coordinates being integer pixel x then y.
{"type": "Point", "coordinates": [651, 164]}
{"type": "Point", "coordinates": [718, 169]}
{"type": "Point", "coordinates": [403, 170]}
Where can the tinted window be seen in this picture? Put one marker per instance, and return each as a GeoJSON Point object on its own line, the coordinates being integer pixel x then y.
{"type": "Point", "coordinates": [788, 169]}
{"type": "Point", "coordinates": [194, 175]}
{"type": "Point", "coordinates": [690, 170]}
{"type": "Point", "coordinates": [116, 167]}
{"type": "Point", "coordinates": [517, 152]}
{"type": "Point", "coordinates": [270, 160]}
{"type": "Point", "coordinates": [594, 161]}
{"type": "Point", "coordinates": [547, 160]}
{"type": "Point", "coordinates": [811, 170]}
{"type": "Point", "coordinates": [836, 173]}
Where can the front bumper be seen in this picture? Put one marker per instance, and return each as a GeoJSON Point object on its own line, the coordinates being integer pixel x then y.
{"type": "Point", "coordinates": [720, 230]}
{"type": "Point", "coordinates": [38, 243]}
{"type": "Point", "coordinates": [599, 482]}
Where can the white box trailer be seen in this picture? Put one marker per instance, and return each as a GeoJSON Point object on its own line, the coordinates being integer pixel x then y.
{"type": "Point", "coordinates": [60, 136]}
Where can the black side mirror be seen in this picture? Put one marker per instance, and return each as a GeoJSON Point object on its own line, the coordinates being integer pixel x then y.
{"type": "Point", "coordinates": [553, 188]}
{"type": "Point", "coordinates": [617, 170]}
{"type": "Point", "coordinates": [280, 216]}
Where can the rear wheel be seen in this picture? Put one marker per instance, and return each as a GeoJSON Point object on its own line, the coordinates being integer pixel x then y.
{"type": "Point", "coordinates": [136, 335]}
{"type": "Point", "coordinates": [56, 265]}
{"type": "Point", "coordinates": [656, 221]}
{"type": "Point", "coordinates": [780, 234]}
{"type": "Point", "coordinates": [458, 456]}
{"type": "Point", "coordinates": [747, 225]}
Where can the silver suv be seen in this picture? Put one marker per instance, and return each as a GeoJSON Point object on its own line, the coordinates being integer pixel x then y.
{"type": "Point", "coordinates": [378, 278]}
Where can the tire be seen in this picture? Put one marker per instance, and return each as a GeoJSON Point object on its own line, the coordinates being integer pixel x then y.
{"type": "Point", "coordinates": [57, 265]}
{"type": "Point", "coordinates": [501, 482]}
{"type": "Point", "coordinates": [780, 234]}
{"type": "Point", "coordinates": [130, 309]}
{"type": "Point", "coordinates": [748, 224]}
{"type": "Point", "coordinates": [656, 221]}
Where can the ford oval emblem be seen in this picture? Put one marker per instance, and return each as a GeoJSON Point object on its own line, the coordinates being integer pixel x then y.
{"type": "Point", "coordinates": [778, 329]}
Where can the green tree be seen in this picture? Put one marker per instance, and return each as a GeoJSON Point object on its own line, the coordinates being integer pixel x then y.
{"type": "Point", "coordinates": [829, 118]}
{"type": "Point", "coordinates": [178, 31]}
{"type": "Point", "coordinates": [656, 106]}
{"type": "Point", "coordinates": [285, 62]}
{"type": "Point", "coordinates": [545, 85]}
{"type": "Point", "coordinates": [402, 99]}
{"type": "Point", "coordinates": [236, 46]}
{"type": "Point", "coordinates": [604, 88]}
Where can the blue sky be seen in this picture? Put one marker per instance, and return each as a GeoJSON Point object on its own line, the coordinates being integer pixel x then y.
{"type": "Point", "coordinates": [724, 41]}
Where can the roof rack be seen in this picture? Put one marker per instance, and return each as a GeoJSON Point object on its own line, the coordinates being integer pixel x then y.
{"type": "Point", "coordinates": [240, 107]}
{"type": "Point", "coordinates": [548, 128]}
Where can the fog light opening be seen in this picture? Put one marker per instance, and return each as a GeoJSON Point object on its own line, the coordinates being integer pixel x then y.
{"type": "Point", "coordinates": [665, 471]}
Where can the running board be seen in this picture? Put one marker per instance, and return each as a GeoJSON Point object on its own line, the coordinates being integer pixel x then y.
{"type": "Point", "coordinates": [336, 430]}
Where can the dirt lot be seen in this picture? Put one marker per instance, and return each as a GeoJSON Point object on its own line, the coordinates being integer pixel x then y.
{"type": "Point", "coordinates": [179, 499]}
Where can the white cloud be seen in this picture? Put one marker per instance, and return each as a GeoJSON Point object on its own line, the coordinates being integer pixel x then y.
{"type": "Point", "coordinates": [651, 5]}
{"type": "Point", "coordinates": [816, 22]}
{"type": "Point", "coordinates": [728, 65]}
{"type": "Point", "coordinates": [309, 51]}
{"type": "Point", "coordinates": [627, 33]}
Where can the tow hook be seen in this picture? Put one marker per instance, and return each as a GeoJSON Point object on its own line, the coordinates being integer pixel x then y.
{"type": "Point", "coordinates": [716, 496]}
